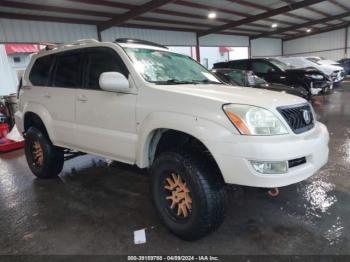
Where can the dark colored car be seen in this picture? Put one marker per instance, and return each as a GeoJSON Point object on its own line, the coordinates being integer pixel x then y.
{"type": "Point", "coordinates": [248, 78]}
{"type": "Point", "coordinates": [275, 71]}
{"type": "Point", "coordinates": [345, 63]}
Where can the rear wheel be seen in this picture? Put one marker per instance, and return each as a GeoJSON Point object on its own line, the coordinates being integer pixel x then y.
{"type": "Point", "coordinates": [44, 159]}
{"type": "Point", "coordinates": [188, 194]}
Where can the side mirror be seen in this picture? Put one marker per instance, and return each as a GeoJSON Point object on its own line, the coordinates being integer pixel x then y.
{"type": "Point", "coordinates": [114, 82]}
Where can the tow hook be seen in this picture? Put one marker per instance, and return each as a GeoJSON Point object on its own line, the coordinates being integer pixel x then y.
{"type": "Point", "coordinates": [273, 192]}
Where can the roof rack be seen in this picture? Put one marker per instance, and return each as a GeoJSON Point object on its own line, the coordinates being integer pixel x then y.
{"type": "Point", "coordinates": [138, 41]}
{"type": "Point", "coordinates": [52, 46]}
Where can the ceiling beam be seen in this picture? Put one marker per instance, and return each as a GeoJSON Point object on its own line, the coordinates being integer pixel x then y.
{"type": "Point", "coordinates": [266, 8]}
{"type": "Point", "coordinates": [318, 31]}
{"type": "Point", "coordinates": [132, 13]}
{"type": "Point", "coordinates": [308, 24]}
{"type": "Point", "coordinates": [93, 22]}
{"type": "Point", "coordinates": [227, 11]}
{"type": "Point", "coordinates": [48, 18]}
{"type": "Point", "coordinates": [345, 8]}
{"type": "Point", "coordinates": [264, 15]}
{"type": "Point", "coordinates": [161, 11]}
{"type": "Point", "coordinates": [56, 9]}
{"type": "Point", "coordinates": [314, 10]}
{"type": "Point", "coordinates": [176, 22]}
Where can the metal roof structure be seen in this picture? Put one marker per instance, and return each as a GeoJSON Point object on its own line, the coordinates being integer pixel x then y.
{"type": "Point", "coordinates": [294, 18]}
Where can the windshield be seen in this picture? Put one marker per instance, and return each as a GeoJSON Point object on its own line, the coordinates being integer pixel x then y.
{"type": "Point", "coordinates": [280, 64]}
{"type": "Point", "coordinates": [163, 67]}
{"type": "Point", "coordinates": [297, 62]}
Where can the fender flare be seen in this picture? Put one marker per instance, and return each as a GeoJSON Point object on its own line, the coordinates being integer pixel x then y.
{"type": "Point", "coordinates": [200, 128]}
{"type": "Point", "coordinates": [43, 114]}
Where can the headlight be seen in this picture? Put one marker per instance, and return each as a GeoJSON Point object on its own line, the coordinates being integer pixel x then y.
{"type": "Point", "coordinates": [251, 120]}
{"type": "Point", "coordinates": [314, 76]}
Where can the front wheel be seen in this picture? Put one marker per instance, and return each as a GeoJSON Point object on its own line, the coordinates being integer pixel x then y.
{"type": "Point", "coordinates": [188, 194]}
{"type": "Point", "coordinates": [44, 159]}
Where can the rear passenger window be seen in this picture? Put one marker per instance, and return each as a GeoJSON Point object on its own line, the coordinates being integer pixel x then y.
{"type": "Point", "coordinates": [242, 65]}
{"type": "Point", "coordinates": [39, 75]}
{"type": "Point", "coordinates": [100, 60]}
{"type": "Point", "coordinates": [68, 70]}
{"type": "Point", "coordinates": [261, 67]}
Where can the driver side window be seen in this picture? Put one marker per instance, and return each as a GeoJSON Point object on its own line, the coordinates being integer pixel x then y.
{"type": "Point", "coordinates": [101, 60]}
{"type": "Point", "coordinates": [261, 67]}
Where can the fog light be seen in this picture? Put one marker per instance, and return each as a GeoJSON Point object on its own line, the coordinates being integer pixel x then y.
{"type": "Point", "coordinates": [265, 167]}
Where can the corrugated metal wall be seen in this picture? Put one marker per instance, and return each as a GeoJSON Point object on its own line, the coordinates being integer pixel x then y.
{"type": "Point", "coordinates": [330, 45]}
{"type": "Point", "coordinates": [224, 40]}
{"type": "Point", "coordinates": [263, 47]}
{"type": "Point", "coordinates": [159, 36]}
{"type": "Point", "coordinates": [12, 31]}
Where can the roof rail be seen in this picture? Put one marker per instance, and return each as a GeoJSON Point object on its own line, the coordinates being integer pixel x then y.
{"type": "Point", "coordinates": [52, 46]}
{"type": "Point", "coordinates": [138, 41]}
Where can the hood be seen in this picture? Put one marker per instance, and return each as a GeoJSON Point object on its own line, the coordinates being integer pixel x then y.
{"type": "Point", "coordinates": [235, 94]}
{"type": "Point", "coordinates": [306, 70]}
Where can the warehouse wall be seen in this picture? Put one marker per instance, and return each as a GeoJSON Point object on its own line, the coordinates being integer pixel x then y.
{"type": "Point", "coordinates": [12, 31]}
{"type": "Point", "coordinates": [330, 45]}
{"type": "Point", "coordinates": [263, 47]}
{"type": "Point", "coordinates": [223, 40]}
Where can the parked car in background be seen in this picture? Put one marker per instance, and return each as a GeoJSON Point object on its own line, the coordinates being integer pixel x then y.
{"type": "Point", "coordinates": [275, 71]}
{"type": "Point", "coordinates": [302, 62]}
{"type": "Point", "coordinates": [136, 102]}
{"type": "Point", "coordinates": [331, 68]}
{"type": "Point", "coordinates": [345, 63]}
{"type": "Point", "coordinates": [248, 78]}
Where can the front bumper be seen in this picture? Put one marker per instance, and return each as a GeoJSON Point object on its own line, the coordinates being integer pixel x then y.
{"type": "Point", "coordinates": [233, 158]}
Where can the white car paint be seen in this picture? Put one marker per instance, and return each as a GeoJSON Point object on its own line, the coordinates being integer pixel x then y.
{"type": "Point", "coordinates": [328, 67]}
{"type": "Point", "coordinates": [121, 126]}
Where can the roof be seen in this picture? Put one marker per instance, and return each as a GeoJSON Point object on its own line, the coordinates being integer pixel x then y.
{"type": "Point", "coordinates": [233, 17]}
{"type": "Point", "coordinates": [21, 48]}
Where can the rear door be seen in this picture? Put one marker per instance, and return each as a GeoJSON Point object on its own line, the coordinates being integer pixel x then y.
{"type": "Point", "coordinates": [66, 77]}
{"type": "Point", "coordinates": [105, 120]}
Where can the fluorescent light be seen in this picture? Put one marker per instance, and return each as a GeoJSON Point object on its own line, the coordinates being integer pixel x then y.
{"type": "Point", "coordinates": [308, 30]}
{"type": "Point", "coordinates": [212, 15]}
{"type": "Point", "coordinates": [274, 25]}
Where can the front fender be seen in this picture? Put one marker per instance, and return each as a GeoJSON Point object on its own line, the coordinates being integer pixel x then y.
{"type": "Point", "coordinates": [44, 115]}
{"type": "Point", "coordinates": [202, 129]}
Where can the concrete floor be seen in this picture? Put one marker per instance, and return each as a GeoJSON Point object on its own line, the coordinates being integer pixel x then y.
{"type": "Point", "coordinates": [95, 206]}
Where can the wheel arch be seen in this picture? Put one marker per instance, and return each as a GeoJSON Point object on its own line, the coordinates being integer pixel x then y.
{"type": "Point", "coordinates": [178, 128]}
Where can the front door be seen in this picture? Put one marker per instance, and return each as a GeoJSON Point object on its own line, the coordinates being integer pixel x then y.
{"type": "Point", "coordinates": [105, 121]}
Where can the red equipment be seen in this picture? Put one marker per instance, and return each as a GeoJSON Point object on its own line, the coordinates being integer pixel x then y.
{"type": "Point", "coordinates": [6, 144]}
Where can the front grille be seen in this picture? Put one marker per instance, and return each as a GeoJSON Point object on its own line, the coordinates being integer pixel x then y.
{"type": "Point", "coordinates": [299, 117]}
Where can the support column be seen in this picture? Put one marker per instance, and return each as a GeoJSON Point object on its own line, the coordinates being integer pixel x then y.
{"type": "Point", "coordinates": [250, 48]}
{"type": "Point", "coordinates": [346, 42]}
{"type": "Point", "coordinates": [198, 52]}
{"type": "Point", "coordinates": [99, 37]}
{"type": "Point", "coordinates": [282, 47]}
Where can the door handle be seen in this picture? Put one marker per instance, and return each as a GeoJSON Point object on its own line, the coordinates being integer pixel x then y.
{"type": "Point", "coordinates": [82, 98]}
{"type": "Point", "coordinates": [47, 95]}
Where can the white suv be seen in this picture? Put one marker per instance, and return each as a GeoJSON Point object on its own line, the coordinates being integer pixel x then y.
{"type": "Point", "coordinates": [136, 102]}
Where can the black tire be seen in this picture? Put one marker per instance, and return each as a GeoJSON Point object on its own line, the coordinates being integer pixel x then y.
{"type": "Point", "coordinates": [307, 90]}
{"type": "Point", "coordinates": [52, 160]}
{"type": "Point", "coordinates": [207, 191]}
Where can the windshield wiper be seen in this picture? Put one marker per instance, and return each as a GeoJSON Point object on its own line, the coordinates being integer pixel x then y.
{"type": "Point", "coordinates": [205, 81]}
{"type": "Point", "coordinates": [173, 82]}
